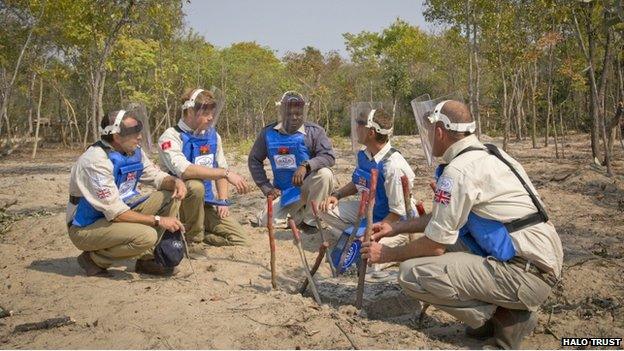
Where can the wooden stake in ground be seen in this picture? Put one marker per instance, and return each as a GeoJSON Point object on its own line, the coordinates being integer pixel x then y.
{"type": "Point", "coordinates": [356, 227]}
{"type": "Point", "coordinates": [271, 230]}
{"type": "Point", "coordinates": [304, 262]}
{"type": "Point", "coordinates": [322, 250]}
{"type": "Point", "coordinates": [367, 235]}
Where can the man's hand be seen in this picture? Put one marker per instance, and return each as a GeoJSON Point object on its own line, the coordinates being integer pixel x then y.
{"type": "Point", "coordinates": [180, 189]}
{"type": "Point", "coordinates": [328, 204]}
{"type": "Point", "coordinates": [275, 192]}
{"type": "Point", "coordinates": [300, 173]}
{"type": "Point", "coordinates": [375, 252]}
{"type": "Point", "coordinates": [223, 211]}
{"type": "Point", "coordinates": [171, 224]}
{"type": "Point", "coordinates": [382, 230]}
{"type": "Point", "coordinates": [238, 182]}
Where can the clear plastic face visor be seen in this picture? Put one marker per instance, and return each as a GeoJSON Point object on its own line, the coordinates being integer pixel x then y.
{"type": "Point", "coordinates": [427, 113]}
{"type": "Point", "coordinates": [204, 115]}
{"type": "Point", "coordinates": [293, 110]}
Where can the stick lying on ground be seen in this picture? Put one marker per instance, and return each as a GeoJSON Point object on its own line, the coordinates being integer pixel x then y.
{"type": "Point", "coordinates": [304, 262]}
{"type": "Point", "coordinates": [367, 235]}
{"type": "Point", "coordinates": [322, 250]}
{"type": "Point", "coordinates": [46, 324]}
{"type": "Point", "coordinates": [271, 230]}
{"type": "Point", "coordinates": [353, 235]}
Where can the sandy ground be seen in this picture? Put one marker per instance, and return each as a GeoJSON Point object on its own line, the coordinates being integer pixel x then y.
{"type": "Point", "coordinates": [231, 304]}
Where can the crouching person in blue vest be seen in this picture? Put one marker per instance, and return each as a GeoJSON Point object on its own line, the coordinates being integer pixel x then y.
{"type": "Point", "coordinates": [372, 129]}
{"type": "Point", "coordinates": [108, 218]}
{"type": "Point", "coordinates": [300, 155]}
{"type": "Point", "coordinates": [489, 255]}
{"type": "Point", "coordinates": [192, 150]}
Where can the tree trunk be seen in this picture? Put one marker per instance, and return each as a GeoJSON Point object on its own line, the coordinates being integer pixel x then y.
{"type": "Point", "coordinates": [562, 133]}
{"type": "Point", "coordinates": [36, 142]}
{"type": "Point", "coordinates": [477, 92]}
{"type": "Point", "coordinates": [534, 82]}
{"type": "Point", "coordinates": [555, 135]}
{"type": "Point", "coordinates": [31, 102]}
{"type": "Point", "coordinates": [549, 95]}
{"type": "Point", "coordinates": [4, 114]}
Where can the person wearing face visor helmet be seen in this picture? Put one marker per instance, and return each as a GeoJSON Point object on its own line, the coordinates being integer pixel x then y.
{"type": "Point", "coordinates": [300, 155]}
{"type": "Point", "coordinates": [107, 216]}
{"type": "Point", "coordinates": [489, 255]}
{"type": "Point", "coordinates": [193, 151]}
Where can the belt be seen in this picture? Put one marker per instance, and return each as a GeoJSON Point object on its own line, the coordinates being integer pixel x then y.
{"type": "Point", "coordinates": [547, 277]}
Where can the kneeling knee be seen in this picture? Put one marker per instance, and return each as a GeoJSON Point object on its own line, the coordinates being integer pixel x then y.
{"type": "Point", "coordinates": [195, 187]}
{"type": "Point", "coordinates": [146, 239]}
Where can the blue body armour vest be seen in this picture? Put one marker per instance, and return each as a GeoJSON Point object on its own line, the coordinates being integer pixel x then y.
{"type": "Point", "coordinates": [487, 237]}
{"type": "Point", "coordinates": [361, 178]}
{"type": "Point", "coordinates": [127, 171]}
{"type": "Point", "coordinates": [201, 150]}
{"type": "Point", "coordinates": [286, 153]}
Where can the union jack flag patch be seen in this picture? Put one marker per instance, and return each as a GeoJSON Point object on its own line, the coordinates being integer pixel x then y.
{"type": "Point", "coordinates": [442, 197]}
{"type": "Point", "coordinates": [103, 193]}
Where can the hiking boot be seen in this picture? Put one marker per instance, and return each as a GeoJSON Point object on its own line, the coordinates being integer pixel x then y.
{"type": "Point", "coordinates": [90, 268]}
{"type": "Point", "coordinates": [483, 332]}
{"type": "Point", "coordinates": [153, 268]}
{"type": "Point", "coordinates": [512, 326]}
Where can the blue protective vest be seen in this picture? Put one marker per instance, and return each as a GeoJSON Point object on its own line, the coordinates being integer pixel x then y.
{"type": "Point", "coordinates": [487, 237]}
{"type": "Point", "coordinates": [286, 152]}
{"type": "Point", "coordinates": [361, 178]}
{"type": "Point", "coordinates": [202, 150]}
{"type": "Point", "coordinates": [127, 171]}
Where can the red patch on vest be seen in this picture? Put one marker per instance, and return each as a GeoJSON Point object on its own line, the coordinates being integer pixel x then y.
{"type": "Point", "coordinates": [283, 150]}
{"type": "Point", "coordinates": [204, 149]}
{"type": "Point", "coordinates": [165, 145]}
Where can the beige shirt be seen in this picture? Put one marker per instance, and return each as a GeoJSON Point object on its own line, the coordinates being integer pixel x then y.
{"type": "Point", "coordinates": [92, 177]}
{"type": "Point", "coordinates": [395, 167]}
{"type": "Point", "coordinates": [170, 150]}
{"type": "Point", "coordinates": [479, 182]}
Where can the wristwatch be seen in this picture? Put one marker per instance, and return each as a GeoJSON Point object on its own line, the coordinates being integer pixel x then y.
{"type": "Point", "coordinates": [227, 173]}
{"type": "Point", "coordinates": [156, 221]}
{"type": "Point", "coordinates": [306, 164]}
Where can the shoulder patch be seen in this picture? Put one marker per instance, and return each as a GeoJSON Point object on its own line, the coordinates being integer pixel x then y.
{"type": "Point", "coordinates": [445, 184]}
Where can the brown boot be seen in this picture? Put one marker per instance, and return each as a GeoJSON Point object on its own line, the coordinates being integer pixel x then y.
{"type": "Point", "coordinates": [483, 332]}
{"type": "Point", "coordinates": [153, 268]}
{"type": "Point", "coordinates": [512, 326]}
{"type": "Point", "coordinates": [90, 268]}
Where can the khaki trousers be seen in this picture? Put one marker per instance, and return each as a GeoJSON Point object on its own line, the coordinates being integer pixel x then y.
{"type": "Point", "coordinates": [203, 223]}
{"type": "Point", "coordinates": [110, 241]}
{"type": "Point", "coordinates": [471, 287]}
{"type": "Point", "coordinates": [316, 187]}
